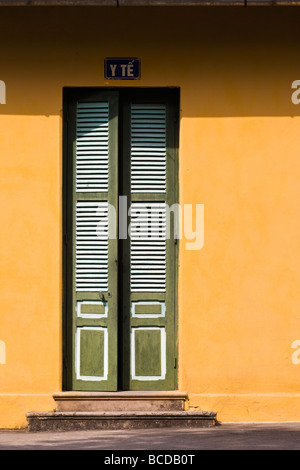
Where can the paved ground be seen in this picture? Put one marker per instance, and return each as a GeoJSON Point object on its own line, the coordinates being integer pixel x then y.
{"type": "Point", "coordinates": [278, 436]}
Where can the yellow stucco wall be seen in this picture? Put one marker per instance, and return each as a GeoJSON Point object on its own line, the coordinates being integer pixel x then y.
{"type": "Point", "coordinates": [239, 298]}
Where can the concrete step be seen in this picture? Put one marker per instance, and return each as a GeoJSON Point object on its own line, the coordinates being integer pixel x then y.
{"type": "Point", "coordinates": [120, 401]}
{"type": "Point", "coordinates": [119, 410]}
{"type": "Point", "coordinates": [71, 421]}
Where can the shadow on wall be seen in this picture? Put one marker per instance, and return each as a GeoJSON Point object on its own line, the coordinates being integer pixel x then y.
{"type": "Point", "coordinates": [228, 61]}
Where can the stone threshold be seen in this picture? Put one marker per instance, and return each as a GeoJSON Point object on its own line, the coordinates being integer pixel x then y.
{"type": "Point", "coordinates": [120, 401]}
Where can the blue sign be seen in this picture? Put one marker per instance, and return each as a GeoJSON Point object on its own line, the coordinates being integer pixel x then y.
{"type": "Point", "coordinates": [127, 68]}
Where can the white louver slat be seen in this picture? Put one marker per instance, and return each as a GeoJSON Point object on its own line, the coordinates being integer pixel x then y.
{"type": "Point", "coordinates": [91, 246]}
{"type": "Point", "coordinates": [148, 148]}
{"type": "Point", "coordinates": [92, 147]}
{"type": "Point", "coordinates": [148, 247]}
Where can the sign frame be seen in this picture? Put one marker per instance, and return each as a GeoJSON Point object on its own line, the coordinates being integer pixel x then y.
{"type": "Point", "coordinates": [122, 68]}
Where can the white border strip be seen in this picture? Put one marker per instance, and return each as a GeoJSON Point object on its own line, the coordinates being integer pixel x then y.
{"type": "Point", "coordinates": [148, 315]}
{"type": "Point", "coordinates": [91, 315]}
{"type": "Point", "coordinates": [77, 355]}
{"type": "Point", "coordinates": [163, 350]}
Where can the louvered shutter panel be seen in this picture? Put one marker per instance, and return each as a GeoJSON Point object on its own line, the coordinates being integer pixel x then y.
{"type": "Point", "coordinates": [91, 246]}
{"type": "Point", "coordinates": [148, 148]}
{"type": "Point", "coordinates": [92, 135]}
{"type": "Point", "coordinates": [148, 247]}
{"type": "Point", "coordinates": [151, 267]}
{"type": "Point", "coordinates": [95, 276]}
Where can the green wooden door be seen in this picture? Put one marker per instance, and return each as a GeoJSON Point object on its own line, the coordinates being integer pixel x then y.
{"type": "Point", "coordinates": [121, 255]}
{"type": "Point", "coordinates": [91, 294]}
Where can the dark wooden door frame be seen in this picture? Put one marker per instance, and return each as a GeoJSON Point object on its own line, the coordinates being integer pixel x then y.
{"type": "Point", "coordinates": [171, 94]}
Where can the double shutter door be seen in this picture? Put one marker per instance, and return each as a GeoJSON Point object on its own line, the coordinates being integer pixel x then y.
{"type": "Point", "coordinates": [120, 253]}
